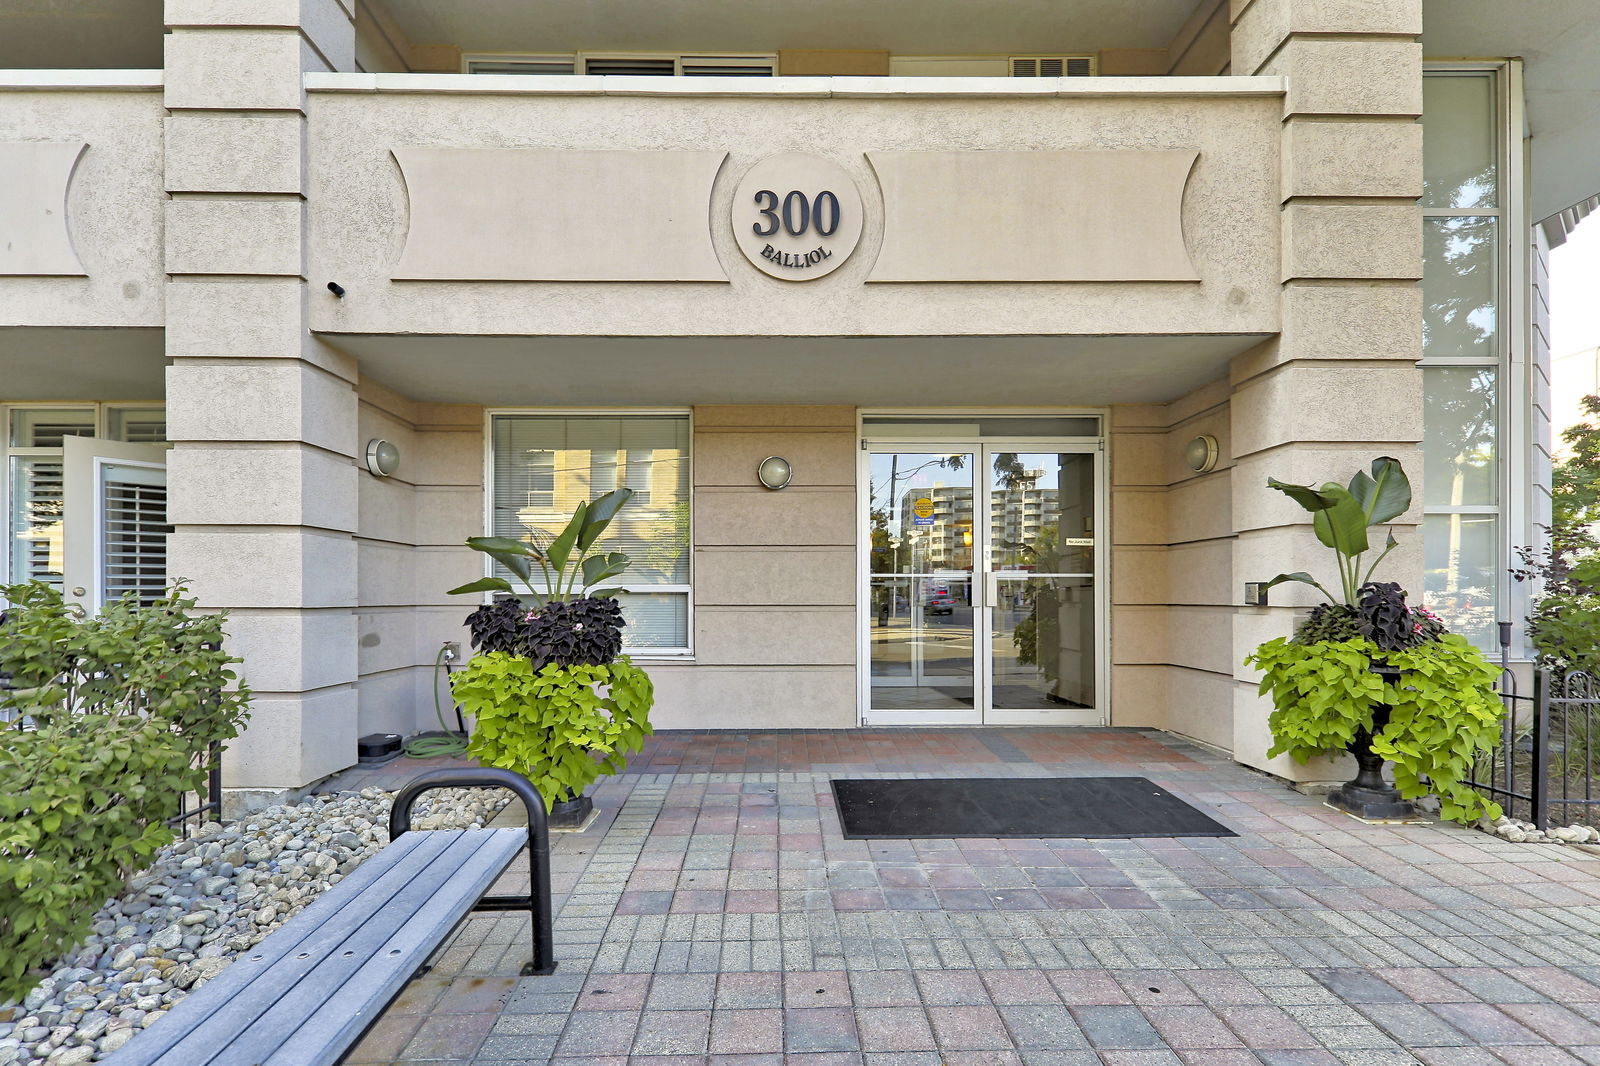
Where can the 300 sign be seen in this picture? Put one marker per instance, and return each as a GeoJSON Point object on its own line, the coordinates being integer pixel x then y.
{"type": "Point", "coordinates": [797, 213]}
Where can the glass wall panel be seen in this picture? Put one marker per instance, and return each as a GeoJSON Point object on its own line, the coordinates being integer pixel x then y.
{"type": "Point", "coordinates": [545, 465]}
{"type": "Point", "coordinates": [1458, 143]}
{"type": "Point", "coordinates": [1461, 554]}
{"type": "Point", "coordinates": [1460, 261]}
{"type": "Point", "coordinates": [1460, 431]}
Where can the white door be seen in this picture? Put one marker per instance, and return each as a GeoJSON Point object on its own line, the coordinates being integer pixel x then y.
{"type": "Point", "coordinates": [983, 586]}
{"type": "Point", "coordinates": [114, 507]}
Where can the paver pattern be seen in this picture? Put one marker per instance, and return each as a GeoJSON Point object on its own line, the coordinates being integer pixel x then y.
{"type": "Point", "coordinates": [716, 917]}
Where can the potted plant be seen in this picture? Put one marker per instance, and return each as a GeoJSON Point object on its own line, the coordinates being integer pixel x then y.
{"type": "Point", "coordinates": [1368, 674]}
{"type": "Point", "coordinates": [551, 694]}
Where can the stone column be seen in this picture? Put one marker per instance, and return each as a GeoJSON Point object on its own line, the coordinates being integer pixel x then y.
{"type": "Point", "coordinates": [1339, 385]}
{"type": "Point", "coordinates": [262, 415]}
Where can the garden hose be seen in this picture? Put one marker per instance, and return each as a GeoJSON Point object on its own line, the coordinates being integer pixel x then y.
{"type": "Point", "coordinates": [447, 741]}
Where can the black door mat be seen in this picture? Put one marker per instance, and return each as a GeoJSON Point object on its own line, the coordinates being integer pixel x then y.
{"type": "Point", "coordinates": [942, 808]}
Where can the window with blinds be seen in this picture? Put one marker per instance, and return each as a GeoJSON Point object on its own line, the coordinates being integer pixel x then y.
{"type": "Point", "coordinates": [543, 466]}
{"type": "Point", "coordinates": [133, 532]}
{"type": "Point", "coordinates": [661, 64]}
{"type": "Point", "coordinates": [34, 488]}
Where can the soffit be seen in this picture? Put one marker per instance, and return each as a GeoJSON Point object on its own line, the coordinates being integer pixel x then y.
{"type": "Point", "coordinates": [907, 27]}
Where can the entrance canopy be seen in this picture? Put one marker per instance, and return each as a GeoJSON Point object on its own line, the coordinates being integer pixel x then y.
{"type": "Point", "coordinates": [674, 371]}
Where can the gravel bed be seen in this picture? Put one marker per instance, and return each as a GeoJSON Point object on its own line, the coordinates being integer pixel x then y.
{"type": "Point", "coordinates": [1519, 832]}
{"type": "Point", "coordinates": [202, 902]}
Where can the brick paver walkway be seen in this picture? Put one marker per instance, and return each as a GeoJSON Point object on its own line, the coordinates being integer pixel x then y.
{"type": "Point", "coordinates": [716, 917]}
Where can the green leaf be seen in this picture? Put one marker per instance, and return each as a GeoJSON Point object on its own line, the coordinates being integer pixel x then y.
{"type": "Point", "coordinates": [1342, 527]}
{"type": "Point", "coordinates": [511, 554]}
{"type": "Point", "coordinates": [561, 548]}
{"type": "Point", "coordinates": [483, 584]}
{"type": "Point", "coordinates": [1385, 494]}
{"type": "Point", "coordinates": [600, 514]}
{"type": "Point", "coordinates": [1311, 499]}
{"type": "Point", "coordinates": [596, 568]}
{"type": "Point", "coordinates": [1300, 576]}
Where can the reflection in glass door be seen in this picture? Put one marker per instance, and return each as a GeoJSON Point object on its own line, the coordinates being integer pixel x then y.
{"type": "Point", "coordinates": [920, 528]}
{"type": "Point", "coordinates": [983, 587]}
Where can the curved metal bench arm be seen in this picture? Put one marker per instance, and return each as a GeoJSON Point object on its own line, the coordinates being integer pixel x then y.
{"type": "Point", "coordinates": [537, 903]}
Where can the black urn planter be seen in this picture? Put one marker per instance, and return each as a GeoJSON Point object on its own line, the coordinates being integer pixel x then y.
{"type": "Point", "coordinates": [1368, 795]}
{"type": "Point", "coordinates": [570, 813]}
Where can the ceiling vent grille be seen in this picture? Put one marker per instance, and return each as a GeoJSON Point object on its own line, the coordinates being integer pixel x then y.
{"type": "Point", "coordinates": [522, 65]}
{"type": "Point", "coordinates": [727, 66]}
{"type": "Point", "coordinates": [1052, 66]}
{"type": "Point", "coordinates": [631, 65]}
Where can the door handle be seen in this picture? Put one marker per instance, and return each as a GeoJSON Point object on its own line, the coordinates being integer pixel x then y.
{"type": "Point", "coordinates": [991, 589]}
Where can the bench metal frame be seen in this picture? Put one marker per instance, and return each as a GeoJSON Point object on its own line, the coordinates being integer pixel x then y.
{"type": "Point", "coordinates": [537, 902]}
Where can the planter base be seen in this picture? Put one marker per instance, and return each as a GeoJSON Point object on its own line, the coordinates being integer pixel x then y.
{"type": "Point", "coordinates": [570, 813]}
{"type": "Point", "coordinates": [1373, 804]}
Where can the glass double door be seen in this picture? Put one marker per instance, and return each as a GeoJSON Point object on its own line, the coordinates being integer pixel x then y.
{"type": "Point", "coordinates": [982, 584]}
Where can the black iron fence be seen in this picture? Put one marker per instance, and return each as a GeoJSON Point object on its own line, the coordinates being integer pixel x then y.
{"type": "Point", "coordinates": [192, 812]}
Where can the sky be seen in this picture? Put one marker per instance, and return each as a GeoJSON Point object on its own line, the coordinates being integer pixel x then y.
{"type": "Point", "coordinates": [1574, 320]}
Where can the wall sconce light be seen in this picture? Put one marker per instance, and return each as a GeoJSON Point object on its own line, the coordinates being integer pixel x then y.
{"type": "Point", "coordinates": [1255, 594]}
{"type": "Point", "coordinates": [1201, 453]}
{"type": "Point", "coordinates": [383, 458]}
{"type": "Point", "coordinates": [775, 472]}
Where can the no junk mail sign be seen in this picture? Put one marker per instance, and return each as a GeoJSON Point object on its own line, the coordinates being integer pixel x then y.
{"type": "Point", "coordinates": [797, 216]}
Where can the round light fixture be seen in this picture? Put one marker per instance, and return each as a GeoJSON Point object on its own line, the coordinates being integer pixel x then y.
{"type": "Point", "coordinates": [775, 472]}
{"type": "Point", "coordinates": [1201, 453]}
{"type": "Point", "coordinates": [383, 458]}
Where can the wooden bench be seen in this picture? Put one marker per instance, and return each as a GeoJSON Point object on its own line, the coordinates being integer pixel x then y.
{"type": "Point", "coordinates": [306, 993]}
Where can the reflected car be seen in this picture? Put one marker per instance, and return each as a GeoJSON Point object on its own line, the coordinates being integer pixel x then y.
{"type": "Point", "coordinates": [939, 601]}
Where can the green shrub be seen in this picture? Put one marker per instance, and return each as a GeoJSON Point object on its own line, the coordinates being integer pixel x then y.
{"type": "Point", "coordinates": [112, 715]}
{"type": "Point", "coordinates": [562, 726]}
{"type": "Point", "coordinates": [1444, 711]}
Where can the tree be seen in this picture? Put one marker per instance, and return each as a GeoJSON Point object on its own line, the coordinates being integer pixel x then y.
{"type": "Point", "coordinates": [1575, 488]}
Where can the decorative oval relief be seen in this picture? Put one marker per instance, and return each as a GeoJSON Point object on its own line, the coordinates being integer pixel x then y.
{"type": "Point", "coordinates": [797, 216]}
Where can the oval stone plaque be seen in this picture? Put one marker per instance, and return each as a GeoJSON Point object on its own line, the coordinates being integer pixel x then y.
{"type": "Point", "coordinates": [797, 216]}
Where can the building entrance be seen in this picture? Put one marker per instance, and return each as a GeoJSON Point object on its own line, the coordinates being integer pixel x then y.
{"type": "Point", "coordinates": [982, 580]}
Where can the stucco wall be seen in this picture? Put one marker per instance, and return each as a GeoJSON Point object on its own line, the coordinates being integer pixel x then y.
{"type": "Point", "coordinates": [409, 550]}
{"type": "Point", "coordinates": [774, 575]}
{"type": "Point", "coordinates": [113, 204]}
{"type": "Point", "coordinates": [358, 208]}
{"type": "Point", "coordinates": [1172, 574]}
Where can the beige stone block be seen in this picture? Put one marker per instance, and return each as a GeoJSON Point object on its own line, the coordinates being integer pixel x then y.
{"type": "Point", "coordinates": [775, 577]}
{"type": "Point", "coordinates": [1140, 697]}
{"type": "Point", "coordinates": [202, 13]}
{"type": "Point", "coordinates": [1201, 508]}
{"type": "Point", "coordinates": [741, 697]}
{"type": "Point", "coordinates": [1253, 627]}
{"type": "Point", "coordinates": [730, 459]}
{"type": "Point", "coordinates": [255, 237]}
{"type": "Point", "coordinates": [437, 570]}
{"type": "Point", "coordinates": [449, 458]}
{"type": "Point", "coordinates": [243, 69]}
{"type": "Point", "coordinates": [1201, 638]}
{"type": "Point", "coordinates": [776, 416]}
{"type": "Point", "coordinates": [448, 514]}
{"type": "Point", "coordinates": [1343, 77]}
{"type": "Point", "coordinates": [758, 516]}
{"type": "Point", "coordinates": [813, 636]}
{"type": "Point", "coordinates": [1138, 416]}
{"type": "Point", "coordinates": [401, 408]}
{"type": "Point", "coordinates": [1139, 575]}
{"type": "Point", "coordinates": [384, 574]}
{"type": "Point", "coordinates": [261, 485]}
{"type": "Point", "coordinates": [292, 741]}
{"type": "Point", "coordinates": [1139, 634]}
{"type": "Point", "coordinates": [1139, 516]}
{"type": "Point", "coordinates": [1351, 241]}
{"type": "Point", "coordinates": [1252, 739]}
{"type": "Point", "coordinates": [436, 58]}
{"type": "Point", "coordinates": [1255, 506]}
{"type": "Point", "coordinates": [1261, 555]}
{"type": "Point", "coordinates": [1352, 159]}
{"type": "Point", "coordinates": [1197, 403]}
{"type": "Point", "coordinates": [398, 702]}
{"type": "Point", "coordinates": [216, 152]}
{"type": "Point", "coordinates": [1262, 29]}
{"type": "Point", "coordinates": [276, 400]}
{"type": "Point", "coordinates": [1314, 403]}
{"type": "Point", "coordinates": [389, 510]}
{"type": "Point", "coordinates": [214, 318]}
{"type": "Point", "coordinates": [264, 568]}
{"type": "Point", "coordinates": [1138, 458]}
{"type": "Point", "coordinates": [1201, 706]}
{"type": "Point", "coordinates": [1200, 572]}
{"type": "Point", "coordinates": [387, 639]}
{"type": "Point", "coordinates": [293, 651]}
{"type": "Point", "coordinates": [1214, 422]}
{"type": "Point", "coordinates": [1358, 321]}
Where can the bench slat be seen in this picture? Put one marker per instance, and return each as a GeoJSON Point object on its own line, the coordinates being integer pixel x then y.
{"type": "Point", "coordinates": [198, 1008]}
{"type": "Point", "coordinates": [253, 1024]}
{"type": "Point", "coordinates": [341, 1004]}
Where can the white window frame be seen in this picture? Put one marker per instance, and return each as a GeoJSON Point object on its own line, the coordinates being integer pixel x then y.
{"type": "Point", "coordinates": [684, 654]}
{"type": "Point", "coordinates": [102, 426]}
{"type": "Point", "coordinates": [1511, 359]}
